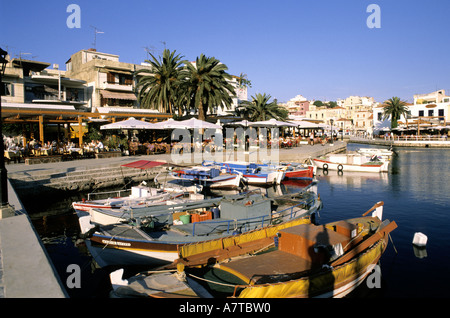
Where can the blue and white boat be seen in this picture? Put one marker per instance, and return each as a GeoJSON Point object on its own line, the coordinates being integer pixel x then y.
{"type": "Point", "coordinates": [211, 177]}
{"type": "Point", "coordinates": [253, 173]}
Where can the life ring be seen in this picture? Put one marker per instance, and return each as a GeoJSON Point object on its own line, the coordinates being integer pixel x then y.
{"type": "Point", "coordinates": [325, 166]}
{"type": "Point", "coordinates": [340, 167]}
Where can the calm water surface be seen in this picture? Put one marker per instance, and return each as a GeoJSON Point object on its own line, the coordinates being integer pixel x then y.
{"type": "Point", "coordinates": [415, 194]}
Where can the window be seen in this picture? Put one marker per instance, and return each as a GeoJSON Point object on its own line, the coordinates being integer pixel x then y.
{"type": "Point", "coordinates": [6, 89]}
{"type": "Point", "coordinates": [110, 78]}
{"type": "Point", "coordinates": [430, 112]}
{"type": "Point", "coordinates": [421, 114]}
{"type": "Point", "coordinates": [380, 116]}
{"type": "Point", "coordinates": [125, 80]}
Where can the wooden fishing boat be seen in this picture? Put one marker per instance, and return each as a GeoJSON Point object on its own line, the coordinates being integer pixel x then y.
{"type": "Point", "coordinates": [140, 196]}
{"type": "Point", "coordinates": [309, 260]}
{"type": "Point", "coordinates": [253, 173]}
{"type": "Point", "coordinates": [299, 172]}
{"type": "Point", "coordinates": [350, 162]}
{"type": "Point", "coordinates": [158, 238]}
{"type": "Point", "coordinates": [209, 177]}
{"type": "Point", "coordinates": [142, 213]}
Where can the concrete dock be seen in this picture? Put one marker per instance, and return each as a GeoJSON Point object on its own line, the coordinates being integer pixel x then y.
{"type": "Point", "coordinates": [26, 270]}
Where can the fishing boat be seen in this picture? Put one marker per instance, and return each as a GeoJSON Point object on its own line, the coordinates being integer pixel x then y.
{"type": "Point", "coordinates": [350, 162]}
{"type": "Point", "coordinates": [293, 171]}
{"type": "Point", "coordinates": [306, 261]}
{"type": "Point", "coordinates": [379, 153]}
{"type": "Point", "coordinates": [209, 177]}
{"type": "Point", "coordinates": [158, 238]}
{"type": "Point", "coordinates": [141, 195]}
{"type": "Point", "coordinates": [253, 173]}
{"type": "Point", "coordinates": [143, 213]}
{"type": "Point", "coordinates": [136, 196]}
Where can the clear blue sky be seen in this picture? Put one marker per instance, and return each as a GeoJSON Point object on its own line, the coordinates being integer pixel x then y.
{"type": "Point", "coordinates": [320, 49]}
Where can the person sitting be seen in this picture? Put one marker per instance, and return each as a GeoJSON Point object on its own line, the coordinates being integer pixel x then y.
{"type": "Point", "coordinates": [100, 146]}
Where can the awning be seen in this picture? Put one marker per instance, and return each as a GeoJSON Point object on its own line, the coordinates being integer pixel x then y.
{"type": "Point", "coordinates": [117, 95]}
{"type": "Point", "coordinates": [144, 164]}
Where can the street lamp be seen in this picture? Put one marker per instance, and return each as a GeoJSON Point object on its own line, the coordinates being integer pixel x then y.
{"type": "Point", "coordinates": [331, 122]}
{"type": "Point", "coordinates": [5, 209]}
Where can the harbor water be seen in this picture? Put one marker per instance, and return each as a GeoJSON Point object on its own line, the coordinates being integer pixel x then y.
{"type": "Point", "coordinates": [415, 193]}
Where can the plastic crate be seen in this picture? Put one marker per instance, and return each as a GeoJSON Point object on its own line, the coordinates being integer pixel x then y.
{"type": "Point", "coordinates": [199, 217]}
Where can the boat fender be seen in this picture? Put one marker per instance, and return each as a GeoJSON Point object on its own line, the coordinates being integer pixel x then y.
{"type": "Point", "coordinates": [340, 168]}
{"type": "Point", "coordinates": [325, 166]}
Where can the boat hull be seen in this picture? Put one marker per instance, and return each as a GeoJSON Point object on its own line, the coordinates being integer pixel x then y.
{"type": "Point", "coordinates": [253, 173]}
{"type": "Point", "coordinates": [270, 178]}
{"type": "Point", "coordinates": [119, 250]}
{"type": "Point", "coordinates": [330, 165]}
{"type": "Point", "coordinates": [335, 283]}
{"type": "Point", "coordinates": [307, 173]}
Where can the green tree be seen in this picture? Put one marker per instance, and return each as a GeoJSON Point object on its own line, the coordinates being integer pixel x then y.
{"type": "Point", "coordinates": [243, 81]}
{"type": "Point", "coordinates": [318, 103]}
{"type": "Point", "coordinates": [394, 108]}
{"type": "Point", "coordinates": [261, 108]}
{"type": "Point", "coordinates": [331, 104]}
{"type": "Point", "coordinates": [207, 83]}
{"type": "Point", "coordinates": [158, 87]}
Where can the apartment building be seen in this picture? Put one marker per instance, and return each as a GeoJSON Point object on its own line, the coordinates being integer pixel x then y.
{"type": "Point", "coordinates": [110, 82]}
{"type": "Point", "coordinates": [434, 105]}
{"type": "Point", "coordinates": [297, 107]}
{"type": "Point", "coordinates": [427, 110]}
{"type": "Point", "coordinates": [363, 122]}
{"type": "Point", "coordinates": [28, 83]}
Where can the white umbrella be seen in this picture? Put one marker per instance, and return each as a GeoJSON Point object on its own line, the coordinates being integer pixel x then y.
{"type": "Point", "coordinates": [167, 124]}
{"type": "Point", "coordinates": [192, 123]}
{"type": "Point", "coordinates": [244, 123]}
{"type": "Point", "coordinates": [305, 124]}
{"type": "Point", "coordinates": [130, 123]}
{"type": "Point", "coordinates": [195, 123]}
{"type": "Point", "coordinates": [272, 123]}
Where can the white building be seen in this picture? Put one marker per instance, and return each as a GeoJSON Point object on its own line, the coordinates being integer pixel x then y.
{"type": "Point", "coordinates": [428, 109]}
{"type": "Point", "coordinates": [433, 106]}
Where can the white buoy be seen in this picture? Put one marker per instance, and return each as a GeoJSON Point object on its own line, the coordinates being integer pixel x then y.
{"type": "Point", "coordinates": [116, 279]}
{"type": "Point", "coordinates": [420, 239]}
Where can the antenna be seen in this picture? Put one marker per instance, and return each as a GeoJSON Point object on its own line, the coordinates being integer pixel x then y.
{"type": "Point", "coordinates": [95, 36]}
{"type": "Point", "coordinates": [151, 50]}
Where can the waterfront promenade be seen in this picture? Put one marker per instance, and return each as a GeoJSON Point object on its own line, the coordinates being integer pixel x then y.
{"type": "Point", "coordinates": [26, 271]}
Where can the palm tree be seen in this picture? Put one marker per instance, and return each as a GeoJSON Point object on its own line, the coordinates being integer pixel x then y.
{"type": "Point", "coordinates": [243, 81]}
{"type": "Point", "coordinates": [207, 82]}
{"type": "Point", "coordinates": [394, 108]}
{"type": "Point", "coordinates": [260, 108]}
{"type": "Point", "coordinates": [157, 88]}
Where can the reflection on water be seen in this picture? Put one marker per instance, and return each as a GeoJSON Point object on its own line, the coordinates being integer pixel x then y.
{"type": "Point", "coordinates": [415, 193]}
{"type": "Point", "coordinates": [353, 180]}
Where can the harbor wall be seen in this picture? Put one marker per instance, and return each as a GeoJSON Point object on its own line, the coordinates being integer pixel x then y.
{"type": "Point", "coordinates": [402, 143]}
{"type": "Point", "coordinates": [26, 270]}
{"type": "Point", "coordinates": [90, 175]}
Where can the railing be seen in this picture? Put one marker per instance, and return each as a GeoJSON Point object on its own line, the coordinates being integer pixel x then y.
{"type": "Point", "coordinates": [416, 138]}
{"type": "Point", "coordinates": [248, 221]}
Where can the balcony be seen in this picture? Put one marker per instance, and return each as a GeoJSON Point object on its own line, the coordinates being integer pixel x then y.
{"type": "Point", "coordinates": [117, 87]}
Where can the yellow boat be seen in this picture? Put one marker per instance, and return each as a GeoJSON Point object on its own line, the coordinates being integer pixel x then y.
{"type": "Point", "coordinates": [309, 260]}
{"type": "Point", "coordinates": [327, 260]}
